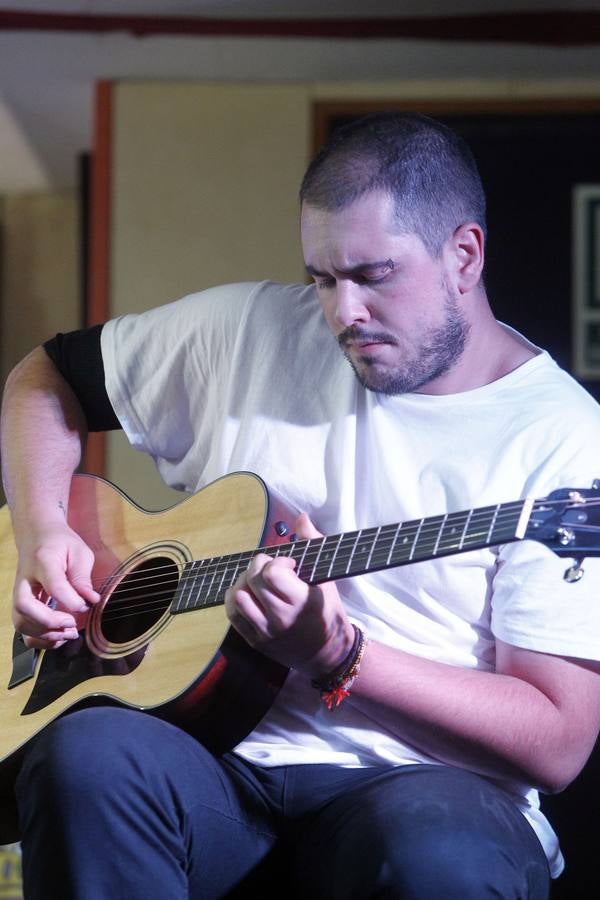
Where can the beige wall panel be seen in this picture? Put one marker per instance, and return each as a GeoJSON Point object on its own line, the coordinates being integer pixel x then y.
{"type": "Point", "coordinates": [205, 184]}
{"type": "Point", "coordinates": [39, 271]}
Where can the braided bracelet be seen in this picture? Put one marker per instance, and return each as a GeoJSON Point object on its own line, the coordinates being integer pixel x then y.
{"type": "Point", "coordinates": [336, 687]}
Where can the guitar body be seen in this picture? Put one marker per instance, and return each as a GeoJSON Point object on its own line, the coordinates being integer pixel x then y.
{"type": "Point", "coordinates": [189, 668]}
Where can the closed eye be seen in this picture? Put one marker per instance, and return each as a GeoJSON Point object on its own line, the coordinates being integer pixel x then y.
{"type": "Point", "coordinates": [370, 273]}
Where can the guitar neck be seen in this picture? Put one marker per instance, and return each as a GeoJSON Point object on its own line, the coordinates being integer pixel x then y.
{"type": "Point", "coordinates": [345, 555]}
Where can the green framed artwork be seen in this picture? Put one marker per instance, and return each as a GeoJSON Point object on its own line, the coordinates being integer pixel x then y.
{"type": "Point", "coordinates": [586, 280]}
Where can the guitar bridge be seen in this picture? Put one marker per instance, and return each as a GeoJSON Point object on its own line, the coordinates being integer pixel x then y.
{"type": "Point", "coordinates": [24, 661]}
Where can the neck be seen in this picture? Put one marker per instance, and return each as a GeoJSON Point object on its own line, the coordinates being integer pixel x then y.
{"type": "Point", "coordinates": [492, 351]}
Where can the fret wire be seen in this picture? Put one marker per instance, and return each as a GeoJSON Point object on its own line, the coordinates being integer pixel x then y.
{"type": "Point", "coordinates": [466, 528]}
{"type": "Point", "coordinates": [326, 555]}
{"type": "Point", "coordinates": [300, 545]}
{"type": "Point", "coordinates": [454, 526]}
{"type": "Point", "coordinates": [405, 548]}
{"type": "Point", "coordinates": [334, 555]}
{"type": "Point", "coordinates": [362, 545]}
{"type": "Point", "coordinates": [493, 522]}
{"type": "Point", "coordinates": [351, 555]}
{"type": "Point", "coordinates": [199, 587]}
{"type": "Point", "coordinates": [209, 589]}
{"type": "Point", "coordinates": [188, 596]}
{"type": "Point", "coordinates": [373, 542]}
{"type": "Point", "coordinates": [411, 554]}
{"type": "Point", "coordinates": [397, 531]}
{"type": "Point", "coordinates": [423, 533]}
{"type": "Point", "coordinates": [224, 584]}
{"type": "Point", "coordinates": [194, 589]}
{"type": "Point", "coordinates": [308, 565]}
{"type": "Point", "coordinates": [184, 588]}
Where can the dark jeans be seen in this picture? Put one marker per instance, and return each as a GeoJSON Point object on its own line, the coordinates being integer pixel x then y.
{"type": "Point", "coordinates": [116, 804]}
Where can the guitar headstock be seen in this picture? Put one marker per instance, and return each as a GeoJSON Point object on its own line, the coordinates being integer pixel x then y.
{"type": "Point", "coordinates": [568, 521]}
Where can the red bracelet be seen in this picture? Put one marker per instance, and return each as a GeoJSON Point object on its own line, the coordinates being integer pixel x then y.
{"type": "Point", "coordinates": [336, 687]}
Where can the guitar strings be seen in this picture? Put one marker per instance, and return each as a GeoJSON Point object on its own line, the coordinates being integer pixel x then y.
{"type": "Point", "coordinates": [121, 607]}
{"type": "Point", "coordinates": [278, 549]}
{"type": "Point", "coordinates": [215, 566]}
{"type": "Point", "coordinates": [181, 574]}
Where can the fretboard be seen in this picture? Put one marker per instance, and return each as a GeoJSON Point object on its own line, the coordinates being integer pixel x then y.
{"type": "Point", "coordinates": [203, 582]}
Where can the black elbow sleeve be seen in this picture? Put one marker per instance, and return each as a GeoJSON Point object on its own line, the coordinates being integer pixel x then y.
{"type": "Point", "coordinates": [78, 357]}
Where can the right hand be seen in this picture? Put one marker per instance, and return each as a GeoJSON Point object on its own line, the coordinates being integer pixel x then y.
{"type": "Point", "coordinates": [54, 565]}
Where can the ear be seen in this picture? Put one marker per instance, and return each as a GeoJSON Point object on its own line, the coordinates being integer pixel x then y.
{"type": "Point", "coordinates": [466, 249]}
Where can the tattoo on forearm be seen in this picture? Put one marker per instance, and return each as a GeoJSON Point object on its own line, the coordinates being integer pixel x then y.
{"type": "Point", "coordinates": [62, 506]}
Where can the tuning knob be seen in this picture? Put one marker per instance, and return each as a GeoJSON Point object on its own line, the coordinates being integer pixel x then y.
{"type": "Point", "coordinates": [565, 536]}
{"type": "Point", "coordinates": [574, 572]}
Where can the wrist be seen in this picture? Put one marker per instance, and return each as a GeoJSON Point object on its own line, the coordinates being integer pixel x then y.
{"type": "Point", "coordinates": [333, 653]}
{"type": "Point", "coordinates": [335, 687]}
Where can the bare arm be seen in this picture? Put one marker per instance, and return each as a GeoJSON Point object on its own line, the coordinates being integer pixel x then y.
{"type": "Point", "coordinates": [43, 432]}
{"type": "Point", "coordinates": [534, 719]}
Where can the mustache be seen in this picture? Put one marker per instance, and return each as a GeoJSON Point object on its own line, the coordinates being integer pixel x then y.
{"type": "Point", "coordinates": [357, 335]}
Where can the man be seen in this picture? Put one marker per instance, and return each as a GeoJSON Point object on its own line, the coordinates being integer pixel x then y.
{"type": "Point", "coordinates": [425, 705]}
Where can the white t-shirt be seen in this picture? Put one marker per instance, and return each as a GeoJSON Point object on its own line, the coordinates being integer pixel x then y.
{"type": "Point", "coordinates": [248, 377]}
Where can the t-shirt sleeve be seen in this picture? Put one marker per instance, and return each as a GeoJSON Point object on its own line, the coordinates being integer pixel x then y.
{"type": "Point", "coordinates": [535, 607]}
{"type": "Point", "coordinates": [163, 367]}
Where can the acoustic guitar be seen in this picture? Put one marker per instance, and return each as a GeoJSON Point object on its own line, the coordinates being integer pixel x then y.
{"type": "Point", "coordinates": [159, 639]}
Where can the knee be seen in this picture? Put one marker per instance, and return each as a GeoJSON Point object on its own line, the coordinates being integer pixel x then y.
{"type": "Point", "coordinates": [82, 752]}
{"type": "Point", "coordinates": [452, 863]}
{"type": "Point", "coordinates": [445, 864]}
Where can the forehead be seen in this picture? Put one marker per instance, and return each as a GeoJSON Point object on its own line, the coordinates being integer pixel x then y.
{"type": "Point", "coordinates": [376, 208]}
{"type": "Point", "coordinates": [361, 231]}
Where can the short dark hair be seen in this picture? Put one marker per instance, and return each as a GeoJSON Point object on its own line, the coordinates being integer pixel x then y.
{"type": "Point", "coordinates": [427, 169]}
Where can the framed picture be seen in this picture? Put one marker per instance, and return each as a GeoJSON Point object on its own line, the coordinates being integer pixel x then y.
{"type": "Point", "coordinates": [586, 280]}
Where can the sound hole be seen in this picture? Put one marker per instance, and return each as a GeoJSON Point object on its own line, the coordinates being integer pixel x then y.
{"type": "Point", "coordinates": [140, 599]}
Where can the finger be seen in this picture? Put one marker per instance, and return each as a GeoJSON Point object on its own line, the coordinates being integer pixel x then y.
{"type": "Point", "coordinates": [50, 640]}
{"type": "Point", "coordinates": [64, 595]}
{"type": "Point", "coordinates": [245, 614]}
{"type": "Point", "coordinates": [272, 579]}
{"type": "Point", "coordinates": [37, 614]}
{"type": "Point", "coordinates": [65, 574]}
{"type": "Point", "coordinates": [80, 566]}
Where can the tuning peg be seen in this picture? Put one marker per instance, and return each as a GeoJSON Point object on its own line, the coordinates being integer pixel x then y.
{"type": "Point", "coordinates": [574, 572]}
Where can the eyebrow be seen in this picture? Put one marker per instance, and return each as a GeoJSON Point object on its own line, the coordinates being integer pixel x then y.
{"type": "Point", "coordinates": [355, 270]}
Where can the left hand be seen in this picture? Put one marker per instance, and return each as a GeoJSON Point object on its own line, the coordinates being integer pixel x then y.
{"type": "Point", "coordinates": [301, 626]}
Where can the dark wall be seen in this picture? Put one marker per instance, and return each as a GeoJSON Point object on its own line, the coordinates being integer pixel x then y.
{"type": "Point", "coordinates": [529, 165]}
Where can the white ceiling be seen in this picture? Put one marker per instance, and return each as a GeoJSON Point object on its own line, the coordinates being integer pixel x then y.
{"type": "Point", "coordinates": [47, 77]}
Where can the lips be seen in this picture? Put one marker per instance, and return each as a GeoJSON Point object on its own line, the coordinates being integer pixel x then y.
{"type": "Point", "coordinates": [351, 339]}
{"type": "Point", "coordinates": [362, 346]}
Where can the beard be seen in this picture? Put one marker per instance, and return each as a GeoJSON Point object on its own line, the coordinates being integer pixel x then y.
{"type": "Point", "coordinates": [437, 351]}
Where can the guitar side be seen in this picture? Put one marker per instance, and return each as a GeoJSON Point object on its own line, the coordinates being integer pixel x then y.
{"type": "Point", "coordinates": [193, 670]}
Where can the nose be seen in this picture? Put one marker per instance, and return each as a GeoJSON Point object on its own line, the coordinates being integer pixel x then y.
{"type": "Point", "coordinates": [350, 307]}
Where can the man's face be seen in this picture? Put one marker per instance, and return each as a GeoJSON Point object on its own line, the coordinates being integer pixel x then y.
{"type": "Point", "coordinates": [388, 302]}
